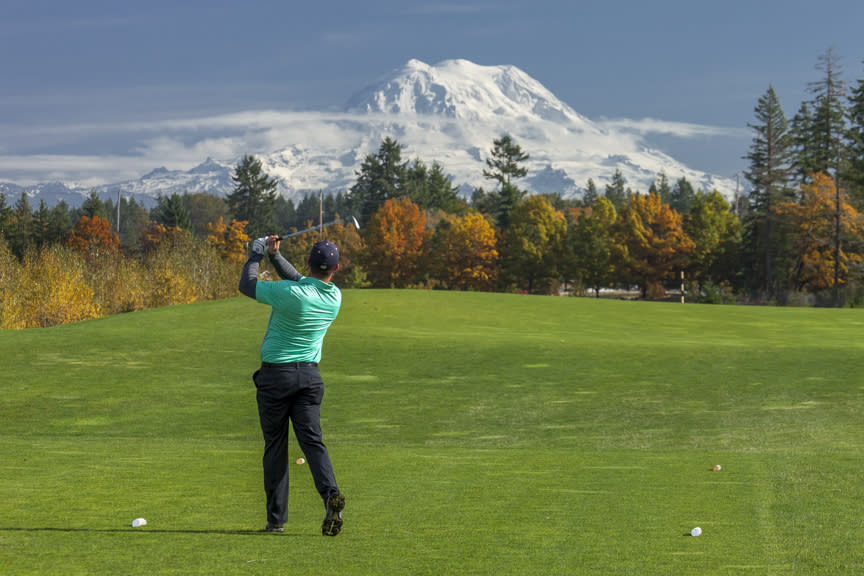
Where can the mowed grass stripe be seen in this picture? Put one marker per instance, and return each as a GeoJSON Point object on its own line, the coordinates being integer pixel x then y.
{"type": "Point", "coordinates": [472, 433]}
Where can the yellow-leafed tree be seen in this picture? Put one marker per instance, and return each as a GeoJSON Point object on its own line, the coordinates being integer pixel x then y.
{"type": "Point", "coordinates": [466, 257]}
{"type": "Point", "coordinates": [229, 241]}
{"type": "Point", "coordinates": [656, 244]}
{"type": "Point", "coordinates": [813, 218]}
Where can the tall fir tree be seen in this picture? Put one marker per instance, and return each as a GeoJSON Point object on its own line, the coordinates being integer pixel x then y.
{"type": "Point", "coordinates": [853, 175]}
{"type": "Point", "coordinates": [769, 175]}
{"type": "Point", "coordinates": [617, 191]}
{"type": "Point", "coordinates": [662, 188]}
{"type": "Point", "coordinates": [589, 197]}
{"type": "Point", "coordinates": [170, 211]}
{"type": "Point", "coordinates": [504, 167]}
{"type": "Point", "coordinates": [829, 132]}
{"type": "Point", "coordinates": [254, 197]}
{"type": "Point", "coordinates": [380, 178]}
{"type": "Point", "coordinates": [681, 197]}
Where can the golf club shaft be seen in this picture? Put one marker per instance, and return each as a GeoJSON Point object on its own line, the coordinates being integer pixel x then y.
{"type": "Point", "coordinates": [320, 226]}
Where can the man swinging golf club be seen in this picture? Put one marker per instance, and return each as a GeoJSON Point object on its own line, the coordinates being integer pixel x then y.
{"type": "Point", "coordinates": [289, 385]}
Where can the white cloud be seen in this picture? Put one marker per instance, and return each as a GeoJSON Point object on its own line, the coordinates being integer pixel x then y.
{"type": "Point", "coordinates": [647, 126]}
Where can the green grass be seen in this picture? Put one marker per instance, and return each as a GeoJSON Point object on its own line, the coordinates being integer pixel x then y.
{"type": "Point", "coordinates": [472, 434]}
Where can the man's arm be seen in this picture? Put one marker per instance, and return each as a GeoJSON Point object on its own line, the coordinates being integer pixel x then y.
{"type": "Point", "coordinates": [249, 276]}
{"type": "Point", "coordinates": [284, 268]}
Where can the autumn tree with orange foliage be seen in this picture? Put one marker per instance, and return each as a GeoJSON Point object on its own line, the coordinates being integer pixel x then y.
{"type": "Point", "coordinates": [93, 235]}
{"type": "Point", "coordinates": [466, 254]}
{"type": "Point", "coordinates": [813, 221]}
{"type": "Point", "coordinates": [656, 245]}
{"type": "Point", "coordinates": [395, 239]}
{"type": "Point", "coordinates": [229, 241]}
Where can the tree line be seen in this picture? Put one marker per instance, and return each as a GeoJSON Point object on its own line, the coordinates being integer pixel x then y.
{"type": "Point", "coordinates": [795, 238]}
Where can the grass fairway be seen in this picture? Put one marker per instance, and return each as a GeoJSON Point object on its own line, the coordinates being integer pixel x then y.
{"type": "Point", "coordinates": [472, 434]}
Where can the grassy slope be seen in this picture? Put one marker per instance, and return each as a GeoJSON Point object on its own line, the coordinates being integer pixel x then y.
{"type": "Point", "coordinates": [472, 433]}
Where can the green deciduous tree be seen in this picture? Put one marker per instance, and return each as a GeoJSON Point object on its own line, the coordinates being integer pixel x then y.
{"type": "Point", "coordinates": [533, 246]}
{"type": "Point", "coordinates": [716, 235]}
{"type": "Point", "coordinates": [593, 245]}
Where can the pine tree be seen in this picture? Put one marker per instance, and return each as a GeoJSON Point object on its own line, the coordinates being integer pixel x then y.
{"type": "Point", "coordinates": [616, 191]}
{"type": "Point", "coordinates": [590, 196]}
{"type": "Point", "coordinates": [21, 226]}
{"type": "Point", "coordinates": [170, 211]}
{"type": "Point", "coordinates": [93, 206]}
{"type": "Point", "coordinates": [681, 197]}
{"type": "Point", "coordinates": [662, 188]}
{"type": "Point", "coordinates": [769, 175]}
{"type": "Point", "coordinates": [829, 131]}
{"type": "Point", "coordinates": [254, 197]}
{"type": "Point", "coordinates": [853, 176]}
{"type": "Point", "coordinates": [505, 166]}
{"type": "Point", "coordinates": [380, 178]}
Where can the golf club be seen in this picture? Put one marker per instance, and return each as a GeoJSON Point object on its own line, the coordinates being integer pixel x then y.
{"type": "Point", "coordinates": [350, 219]}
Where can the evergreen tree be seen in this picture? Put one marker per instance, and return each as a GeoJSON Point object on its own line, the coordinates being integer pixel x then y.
{"type": "Point", "coordinates": [286, 213]}
{"type": "Point", "coordinates": [5, 216]}
{"type": "Point", "coordinates": [41, 224]}
{"type": "Point", "coordinates": [59, 223]}
{"type": "Point", "coordinates": [430, 188]}
{"type": "Point", "coordinates": [93, 206]}
{"type": "Point", "coordinates": [589, 197]}
{"type": "Point", "coordinates": [616, 190]}
{"type": "Point", "coordinates": [829, 131]}
{"type": "Point", "coordinates": [204, 208]}
{"type": "Point", "coordinates": [681, 197]}
{"type": "Point", "coordinates": [828, 126]}
{"type": "Point", "coordinates": [853, 176]}
{"type": "Point", "coordinates": [661, 187]}
{"type": "Point", "coordinates": [379, 179]}
{"type": "Point", "coordinates": [769, 174]}
{"type": "Point", "coordinates": [253, 198]}
{"type": "Point", "coordinates": [21, 226]}
{"type": "Point", "coordinates": [503, 167]}
{"type": "Point", "coordinates": [505, 164]}
{"type": "Point", "coordinates": [134, 219]}
{"type": "Point", "coordinates": [170, 211]}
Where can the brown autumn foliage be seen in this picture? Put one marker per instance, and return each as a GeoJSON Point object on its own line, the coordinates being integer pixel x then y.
{"type": "Point", "coordinates": [395, 242]}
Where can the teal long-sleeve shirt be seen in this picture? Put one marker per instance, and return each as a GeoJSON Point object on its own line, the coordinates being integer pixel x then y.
{"type": "Point", "coordinates": [303, 308]}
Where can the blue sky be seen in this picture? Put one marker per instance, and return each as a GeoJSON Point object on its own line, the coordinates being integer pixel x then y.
{"type": "Point", "coordinates": [686, 73]}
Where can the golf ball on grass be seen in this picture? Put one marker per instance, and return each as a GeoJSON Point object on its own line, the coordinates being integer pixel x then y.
{"type": "Point", "coordinates": [139, 522]}
{"type": "Point", "coordinates": [696, 531]}
{"type": "Point", "coordinates": [301, 461]}
{"type": "Point", "coordinates": [717, 468]}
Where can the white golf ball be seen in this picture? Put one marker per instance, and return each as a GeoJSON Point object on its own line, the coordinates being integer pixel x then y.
{"type": "Point", "coordinates": [696, 531]}
{"type": "Point", "coordinates": [139, 522]}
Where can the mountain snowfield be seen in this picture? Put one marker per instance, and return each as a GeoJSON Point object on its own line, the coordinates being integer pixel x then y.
{"type": "Point", "coordinates": [448, 113]}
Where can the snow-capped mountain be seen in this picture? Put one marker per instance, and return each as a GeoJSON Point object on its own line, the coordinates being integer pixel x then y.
{"type": "Point", "coordinates": [448, 113]}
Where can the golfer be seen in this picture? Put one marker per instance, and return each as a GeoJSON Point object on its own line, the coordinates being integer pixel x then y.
{"type": "Point", "coordinates": [289, 386]}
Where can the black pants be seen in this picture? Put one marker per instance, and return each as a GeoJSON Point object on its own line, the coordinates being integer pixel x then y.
{"type": "Point", "coordinates": [291, 392]}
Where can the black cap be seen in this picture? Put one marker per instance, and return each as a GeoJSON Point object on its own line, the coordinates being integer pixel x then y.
{"type": "Point", "coordinates": [324, 256]}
